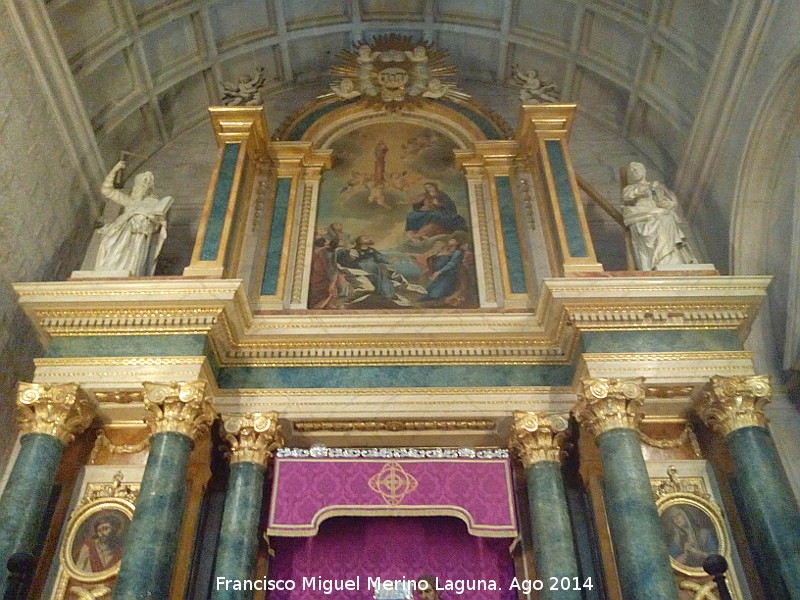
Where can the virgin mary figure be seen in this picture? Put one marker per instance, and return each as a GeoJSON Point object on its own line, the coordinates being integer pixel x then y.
{"type": "Point", "coordinates": [433, 213]}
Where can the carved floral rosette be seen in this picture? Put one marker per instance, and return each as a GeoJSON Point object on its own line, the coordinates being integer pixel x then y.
{"type": "Point", "coordinates": [253, 437]}
{"type": "Point", "coordinates": [183, 408]}
{"type": "Point", "coordinates": [605, 404]}
{"type": "Point", "coordinates": [735, 402]}
{"type": "Point", "coordinates": [538, 437]}
{"type": "Point", "coordinates": [62, 411]}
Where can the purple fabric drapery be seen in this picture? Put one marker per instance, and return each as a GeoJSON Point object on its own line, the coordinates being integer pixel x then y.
{"type": "Point", "coordinates": [392, 548]}
{"type": "Point", "coordinates": [307, 491]}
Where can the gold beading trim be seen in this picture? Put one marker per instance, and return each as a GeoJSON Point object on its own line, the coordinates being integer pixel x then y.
{"type": "Point", "coordinates": [735, 402]}
{"type": "Point", "coordinates": [60, 410]}
{"type": "Point", "coordinates": [302, 241]}
{"type": "Point", "coordinates": [483, 234]}
{"type": "Point", "coordinates": [393, 425]}
{"type": "Point", "coordinates": [538, 437]}
{"type": "Point", "coordinates": [253, 436]}
{"type": "Point", "coordinates": [183, 407]}
{"type": "Point", "coordinates": [605, 404]}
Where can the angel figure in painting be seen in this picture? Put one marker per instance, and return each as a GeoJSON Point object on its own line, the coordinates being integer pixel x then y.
{"type": "Point", "coordinates": [133, 241]}
{"type": "Point", "coordinates": [648, 209]}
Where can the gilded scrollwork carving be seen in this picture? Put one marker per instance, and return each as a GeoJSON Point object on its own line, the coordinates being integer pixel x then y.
{"type": "Point", "coordinates": [605, 404]}
{"type": "Point", "coordinates": [253, 437]}
{"type": "Point", "coordinates": [62, 411]}
{"type": "Point", "coordinates": [731, 403]}
{"type": "Point", "coordinates": [538, 437]}
{"type": "Point", "coordinates": [183, 407]}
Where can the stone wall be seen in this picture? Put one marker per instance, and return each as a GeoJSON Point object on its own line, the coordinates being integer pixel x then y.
{"type": "Point", "coordinates": [45, 217]}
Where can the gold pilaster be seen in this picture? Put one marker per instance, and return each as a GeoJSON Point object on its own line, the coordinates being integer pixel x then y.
{"type": "Point", "coordinates": [62, 411]}
{"type": "Point", "coordinates": [731, 403]}
{"type": "Point", "coordinates": [541, 124]}
{"type": "Point", "coordinates": [183, 407]}
{"type": "Point", "coordinates": [245, 126]}
{"type": "Point", "coordinates": [253, 436]}
{"type": "Point", "coordinates": [605, 404]}
{"type": "Point", "coordinates": [537, 437]}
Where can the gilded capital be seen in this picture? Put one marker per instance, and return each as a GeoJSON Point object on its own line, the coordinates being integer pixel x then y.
{"type": "Point", "coordinates": [62, 410]}
{"type": "Point", "coordinates": [735, 402]}
{"type": "Point", "coordinates": [253, 436]}
{"type": "Point", "coordinates": [537, 437]}
{"type": "Point", "coordinates": [183, 407]}
{"type": "Point", "coordinates": [605, 404]}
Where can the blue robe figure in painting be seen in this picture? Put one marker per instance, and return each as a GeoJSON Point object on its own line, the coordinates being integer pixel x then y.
{"type": "Point", "coordinates": [432, 214]}
{"type": "Point", "coordinates": [445, 268]}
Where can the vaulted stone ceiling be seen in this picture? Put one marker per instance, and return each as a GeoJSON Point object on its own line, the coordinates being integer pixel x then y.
{"type": "Point", "coordinates": [147, 69]}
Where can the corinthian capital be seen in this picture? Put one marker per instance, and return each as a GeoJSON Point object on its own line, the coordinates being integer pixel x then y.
{"type": "Point", "coordinates": [605, 404]}
{"type": "Point", "coordinates": [253, 436]}
{"type": "Point", "coordinates": [538, 437]}
{"type": "Point", "coordinates": [183, 408]}
{"type": "Point", "coordinates": [735, 402]}
{"type": "Point", "coordinates": [62, 410]}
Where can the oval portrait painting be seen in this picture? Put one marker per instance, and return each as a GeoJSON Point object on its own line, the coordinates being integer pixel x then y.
{"type": "Point", "coordinates": [690, 533]}
{"type": "Point", "coordinates": [96, 546]}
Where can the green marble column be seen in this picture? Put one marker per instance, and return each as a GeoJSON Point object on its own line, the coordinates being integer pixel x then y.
{"type": "Point", "coordinates": [49, 418]}
{"type": "Point", "coordinates": [611, 409]}
{"type": "Point", "coordinates": [734, 407]}
{"type": "Point", "coordinates": [252, 437]}
{"type": "Point", "coordinates": [179, 413]}
{"type": "Point", "coordinates": [538, 440]}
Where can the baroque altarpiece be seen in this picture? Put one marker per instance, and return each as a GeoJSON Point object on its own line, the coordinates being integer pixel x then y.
{"type": "Point", "coordinates": [394, 355]}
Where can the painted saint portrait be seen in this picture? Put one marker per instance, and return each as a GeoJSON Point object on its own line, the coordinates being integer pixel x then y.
{"type": "Point", "coordinates": [393, 225]}
{"type": "Point", "coordinates": [690, 534]}
{"type": "Point", "coordinates": [98, 541]}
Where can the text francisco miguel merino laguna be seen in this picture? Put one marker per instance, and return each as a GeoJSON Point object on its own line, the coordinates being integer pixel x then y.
{"type": "Point", "coordinates": [328, 586]}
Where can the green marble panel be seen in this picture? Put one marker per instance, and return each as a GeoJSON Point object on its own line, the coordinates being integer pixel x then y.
{"type": "Point", "coordinates": [219, 204]}
{"type": "Point", "coordinates": [128, 345]}
{"type": "Point", "coordinates": [394, 376]}
{"type": "Point", "coordinates": [26, 496]}
{"type": "Point", "coordinates": [673, 340]}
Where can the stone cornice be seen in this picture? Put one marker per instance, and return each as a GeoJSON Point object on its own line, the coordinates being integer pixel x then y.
{"type": "Point", "coordinates": [220, 310]}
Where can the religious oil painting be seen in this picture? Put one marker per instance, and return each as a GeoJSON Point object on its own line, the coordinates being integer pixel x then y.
{"type": "Point", "coordinates": [393, 227]}
{"type": "Point", "coordinates": [691, 533]}
{"type": "Point", "coordinates": [96, 539]}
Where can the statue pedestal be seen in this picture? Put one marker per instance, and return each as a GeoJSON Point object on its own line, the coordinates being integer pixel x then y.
{"type": "Point", "coordinates": [99, 274]}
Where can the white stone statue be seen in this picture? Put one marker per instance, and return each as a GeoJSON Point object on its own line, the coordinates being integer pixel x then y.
{"type": "Point", "coordinates": [648, 209]}
{"type": "Point", "coordinates": [133, 241]}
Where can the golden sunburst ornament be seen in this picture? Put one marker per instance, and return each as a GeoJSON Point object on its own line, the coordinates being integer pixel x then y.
{"type": "Point", "coordinates": [393, 70]}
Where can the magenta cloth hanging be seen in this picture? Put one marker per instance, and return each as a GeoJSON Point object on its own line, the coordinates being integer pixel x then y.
{"type": "Point", "coordinates": [307, 491]}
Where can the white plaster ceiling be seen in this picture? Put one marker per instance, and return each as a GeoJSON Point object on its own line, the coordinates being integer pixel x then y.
{"type": "Point", "coordinates": [147, 69]}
